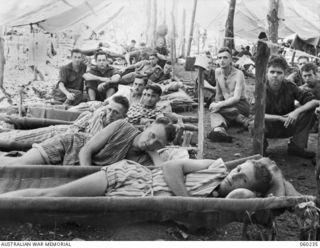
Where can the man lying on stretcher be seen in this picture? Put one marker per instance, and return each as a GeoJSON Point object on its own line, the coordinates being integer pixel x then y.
{"type": "Point", "coordinates": [200, 178]}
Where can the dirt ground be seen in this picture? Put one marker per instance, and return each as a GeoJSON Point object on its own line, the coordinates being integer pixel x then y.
{"type": "Point", "coordinates": [299, 172]}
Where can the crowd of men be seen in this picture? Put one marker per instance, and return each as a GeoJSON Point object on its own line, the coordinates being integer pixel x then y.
{"type": "Point", "coordinates": [290, 102]}
{"type": "Point", "coordinates": [123, 133]}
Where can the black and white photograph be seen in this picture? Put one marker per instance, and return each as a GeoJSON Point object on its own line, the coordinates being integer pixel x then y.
{"type": "Point", "coordinates": [159, 120]}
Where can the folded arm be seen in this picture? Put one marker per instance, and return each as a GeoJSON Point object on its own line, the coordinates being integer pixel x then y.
{"type": "Point", "coordinates": [96, 143]}
{"type": "Point", "coordinates": [174, 171]}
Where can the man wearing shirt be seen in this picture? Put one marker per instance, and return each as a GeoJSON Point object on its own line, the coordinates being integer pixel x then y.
{"type": "Point", "coordinates": [69, 89]}
{"type": "Point", "coordinates": [102, 79]}
{"type": "Point", "coordinates": [282, 119]}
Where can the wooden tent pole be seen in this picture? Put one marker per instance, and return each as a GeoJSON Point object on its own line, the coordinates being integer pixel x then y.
{"type": "Point", "coordinates": [263, 53]}
{"type": "Point", "coordinates": [229, 26]}
{"type": "Point", "coordinates": [192, 26]}
{"type": "Point", "coordinates": [273, 23]}
{"type": "Point", "coordinates": [201, 114]}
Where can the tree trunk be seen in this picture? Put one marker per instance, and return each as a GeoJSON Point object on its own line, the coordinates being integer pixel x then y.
{"type": "Point", "coordinates": [154, 23]}
{"type": "Point", "coordinates": [263, 53]}
{"type": "Point", "coordinates": [191, 27]}
{"type": "Point", "coordinates": [198, 40]}
{"type": "Point", "coordinates": [2, 57]}
{"type": "Point", "coordinates": [183, 34]}
{"type": "Point", "coordinates": [148, 27]}
{"type": "Point", "coordinates": [229, 34]}
{"type": "Point", "coordinates": [164, 12]}
{"type": "Point", "coordinates": [173, 35]}
{"type": "Point", "coordinates": [273, 23]}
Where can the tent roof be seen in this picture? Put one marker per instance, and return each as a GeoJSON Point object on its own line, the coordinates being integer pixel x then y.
{"type": "Point", "coordinates": [297, 16]}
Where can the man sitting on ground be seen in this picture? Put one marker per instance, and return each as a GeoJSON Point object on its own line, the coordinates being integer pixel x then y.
{"type": "Point", "coordinates": [311, 82]}
{"type": "Point", "coordinates": [296, 76]}
{"type": "Point", "coordinates": [87, 122]}
{"type": "Point", "coordinates": [69, 89]}
{"type": "Point", "coordinates": [119, 140]}
{"type": "Point", "coordinates": [101, 80]}
{"type": "Point", "coordinates": [143, 68]}
{"type": "Point", "coordinates": [282, 119]}
{"type": "Point", "coordinates": [199, 178]}
{"type": "Point", "coordinates": [230, 100]}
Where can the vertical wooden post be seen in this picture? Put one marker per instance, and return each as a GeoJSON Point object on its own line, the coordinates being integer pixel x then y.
{"type": "Point", "coordinates": [201, 114]}
{"type": "Point", "coordinates": [263, 53]}
{"type": "Point", "coordinates": [2, 57]}
{"type": "Point", "coordinates": [227, 42]}
{"type": "Point", "coordinates": [191, 26]}
{"type": "Point", "coordinates": [273, 23]}
{"type": "Point", "coordinates": [183, 34]}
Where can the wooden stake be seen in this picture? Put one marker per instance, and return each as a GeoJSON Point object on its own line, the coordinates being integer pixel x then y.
{"type": "Point", "coordinates": [201, 114]}
{"type": "Point", "coordinates": [263, 53]}
{"type": "Point", "coordinates": [191, 26]}
{"type": "Point", "coordinates": [229, 26]}
{"type": "Point", "coordinates": [273, 22]}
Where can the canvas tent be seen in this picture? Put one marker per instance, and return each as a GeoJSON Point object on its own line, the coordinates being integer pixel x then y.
{"type": "Point", "coordinates": [296, 16]}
